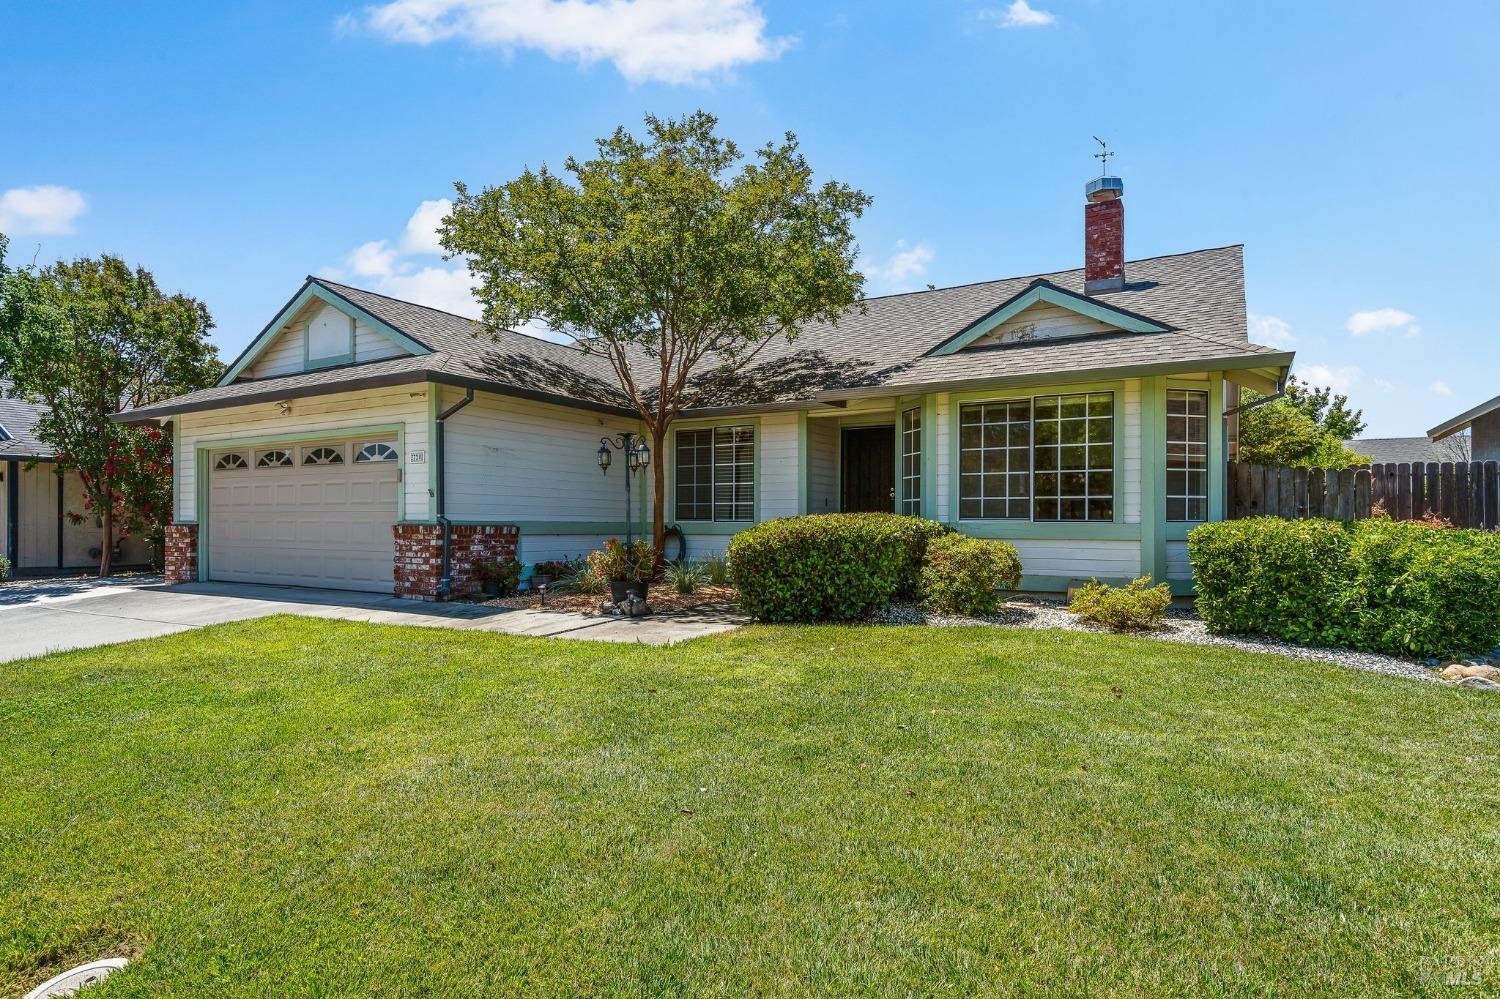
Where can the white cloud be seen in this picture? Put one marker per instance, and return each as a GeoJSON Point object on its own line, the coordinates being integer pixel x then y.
{"type": "Point", "coordinates": [1384, 384]}
{"type": "Point", "coordinates": [1441, 388]}
{"type": "Point", "coordinates": [671, 41]}
{"type": "Point", "coordinates": [899, 271]}
{"type": "Point", "coordinates": [1019, 14]}
{"type": "Point", "coordinates": [1271, 331]}
{"type": "Point", "coordinates": [44, 210]}
{"type": "Point", "coordinates": [1383, 320]}
{"type": "Point", "coordinates": [392, 270]}
{"type": "Point", "coordinates": [421, 234]}
{"type": "Point", "coordinates": [1340, 379]}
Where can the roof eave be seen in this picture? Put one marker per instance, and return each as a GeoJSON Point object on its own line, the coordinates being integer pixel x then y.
{"type": "Point", "coordinates": [1462, 421]}
{"type": "Point", "coordinates": [1231, 362]}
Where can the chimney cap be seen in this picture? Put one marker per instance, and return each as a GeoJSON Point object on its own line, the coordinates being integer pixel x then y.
{"type": "Point", "coordinates": [1104, 189]}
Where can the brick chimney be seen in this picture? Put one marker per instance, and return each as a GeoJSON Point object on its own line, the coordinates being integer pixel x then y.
{"type": "Point", "coordinates": [1104, 236]}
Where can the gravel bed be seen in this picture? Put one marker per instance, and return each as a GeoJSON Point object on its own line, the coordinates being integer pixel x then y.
{"type": "Point", "coordinates": [1182, 625]}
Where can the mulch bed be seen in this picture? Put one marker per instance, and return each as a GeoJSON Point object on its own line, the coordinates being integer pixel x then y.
{"type": "Point", "coordinates": [662, 599]}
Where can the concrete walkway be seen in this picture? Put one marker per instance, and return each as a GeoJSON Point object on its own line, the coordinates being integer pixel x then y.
{"type": "Point", "coordinates": [39, 616]}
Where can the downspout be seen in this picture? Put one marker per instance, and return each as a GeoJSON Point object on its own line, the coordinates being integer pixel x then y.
{"type": "Point", "coordinates": [445, 584]}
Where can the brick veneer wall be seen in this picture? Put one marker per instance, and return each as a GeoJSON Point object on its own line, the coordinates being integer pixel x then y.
{"type": "Point", "coordinates": [181, 555]}
{"type": "Point", "coordinates": [419, 556]}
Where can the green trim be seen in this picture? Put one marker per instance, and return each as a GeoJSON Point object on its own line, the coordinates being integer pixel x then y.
{"type": "Point", "coordinates": [928, 506]}
{"type": "Point", "coordinates": [1153, 478]}
{"type": "Point", "coordinates": [958, 400]}
{"type": "Point", "coordinates": [1078, 304]}
{"type": "Point", "coordinates": [173, 426]}
{"type": "Point", "coordinates": [309, 291]}
{"type": "Point", "coordinates": [802, 501]}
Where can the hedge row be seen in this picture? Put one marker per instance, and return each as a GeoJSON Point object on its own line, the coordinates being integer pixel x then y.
{"type": "Point", "coordinates": [1379, 585]}
{"type": "Point", "coordinates": [845, 566]}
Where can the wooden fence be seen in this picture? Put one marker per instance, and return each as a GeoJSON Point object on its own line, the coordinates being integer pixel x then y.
{"type": "Point", "coordinates": [1464, 493]}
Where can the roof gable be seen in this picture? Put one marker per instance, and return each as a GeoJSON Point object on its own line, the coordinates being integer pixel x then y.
{"type": "Point", "coordinates": [1463, 421]}
{"type": "Point", "coordinates": [313, 291]}
{"type": "Point", "coordinates": [1043, 299]}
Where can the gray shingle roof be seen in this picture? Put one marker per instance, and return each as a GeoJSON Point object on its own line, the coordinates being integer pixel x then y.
{"type": "Point", "coordinates": [1394, 450]}
{"type": "Point", "coordinates": [18, 418]}
{"type": "Point", "coordinates": [879, 347]}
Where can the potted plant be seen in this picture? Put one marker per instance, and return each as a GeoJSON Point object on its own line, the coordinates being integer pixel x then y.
{"type": "Point", "coordinates": [547, 573]}
{"type": "Point", "coordinates": [627, 567]}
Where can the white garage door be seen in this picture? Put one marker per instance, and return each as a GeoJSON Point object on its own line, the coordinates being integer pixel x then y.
{"type": "Point", "coordinates": [317, 514]}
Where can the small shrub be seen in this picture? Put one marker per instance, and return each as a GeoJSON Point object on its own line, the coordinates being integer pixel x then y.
{"type": "Point", "coordinates": [1267, 576]}
{"type": "Point", "coordinates": [588, 581]}
{"type": "Point", "coordinates": [1138, 606]}
{"type": "Point", "coordinates": [505, 574]}
{"type": "Point", "coordinates": [685, 577]}
{"type": "Point", "coordinates": [718, 570]}
{"type": "Point", "coordinates": [618, 562]}
{"type": "Point", "coordinates": [4, 567]}
{"type": "Point", "coordinates": [964, 575]}
{"type": "Point", "coordinates": [827, 567]}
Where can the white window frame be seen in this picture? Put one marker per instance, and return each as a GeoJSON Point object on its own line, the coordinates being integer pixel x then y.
{"type": "Point", "coordinates": [911, 461]}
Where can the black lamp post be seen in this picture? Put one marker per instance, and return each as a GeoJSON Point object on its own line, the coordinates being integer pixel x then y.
{"type": "Point", "coordinates": [637, 457]}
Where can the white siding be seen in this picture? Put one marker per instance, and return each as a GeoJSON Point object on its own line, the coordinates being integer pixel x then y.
{"type": "Point", "coordinates": [563, 547]}
{"type": "Point", "coordinates": [1178, 566]}
{"type": "Point", "coordinates": [944, 443]}
{"type": "Point", "coordinates": [38, 518]}
{"type": "Point", "coordinates": [822, 465]}
{"type": "Point", "coordinates": [1080, 559]}
{"type": "Point", "coordinates": [779, 459]}
{"type": "Point", "coordinates": [516, 460]}
{"type": "Point", "coordinates": [283, 356]}
{"type": "Point", "coordinates": [1043, 321]}
{"type": "Point", "coordinates": [372, 346]}
{"type": "Point", "coordinates": [704, 546]}
{"type": "Point", "coordinates": [1130, 411]}
{"type": "Point", "coordinates": [405, 406]}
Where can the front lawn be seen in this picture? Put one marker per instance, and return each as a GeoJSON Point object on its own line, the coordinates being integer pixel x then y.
{"type": "Point", "coordinates": [296, 806]}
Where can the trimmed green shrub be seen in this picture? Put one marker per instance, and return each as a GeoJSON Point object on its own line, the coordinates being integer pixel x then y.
{"type": "Point", "coordinates": [1423, 590]}
{"type": "Point", "coordinates": [1138, 606]}
{"type": "Point", "coordinates": [4, 567]}
{"type": "Point", "coordinates": [1378, 585]}
{"type": "Point", "coordinates": [1266, 576]}
{"type": "Point", "coordinates": [964, 575]}
{"type": "Point", "coordinates": [828, 567]}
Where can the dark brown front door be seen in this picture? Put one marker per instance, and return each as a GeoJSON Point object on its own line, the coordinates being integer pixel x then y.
{"type": "Point", "coordinates": [869, 469]}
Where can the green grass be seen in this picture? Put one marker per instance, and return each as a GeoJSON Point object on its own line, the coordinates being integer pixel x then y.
{"type": "Point", "coordinates": [302, 807]}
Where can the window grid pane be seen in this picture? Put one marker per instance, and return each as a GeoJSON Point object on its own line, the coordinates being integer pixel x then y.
{"type": "Point", "coordinates": [734, 473]}
{"type": "Point", "coordinates": [695, 451]}
{"type": "Point", "coordinates": [1075, 457]}
{"type": "Point", "coordinates": [994, 462]}
{"type": "Point", "coordinates": [1187, 455]}
{"type": "Point", "coordinates": [911, 462]}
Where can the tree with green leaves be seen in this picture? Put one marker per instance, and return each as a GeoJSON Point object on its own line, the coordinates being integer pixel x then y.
{"type": "Point", "coordinates": [1305, 428]}
{"type": "Point", "coordinates": [86, 339]}
{"type": "Point", "coordinates": [666, 254]}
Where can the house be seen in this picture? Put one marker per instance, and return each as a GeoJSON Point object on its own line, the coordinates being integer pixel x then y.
{"type": "Point", "coordinates": [1412, 450]}
{"type": "Point", "coordinates": [369, 443]}
{"type": "Point", "coordinates": [1483, 426]}
{"type": "Point", "coordinates": [35, 535]}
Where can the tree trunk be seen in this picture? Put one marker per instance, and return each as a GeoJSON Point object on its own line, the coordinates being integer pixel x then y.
{"type": "Point", "coordinates": [658, 495]}
{"type": "Point", "coordinates": [106, 555]}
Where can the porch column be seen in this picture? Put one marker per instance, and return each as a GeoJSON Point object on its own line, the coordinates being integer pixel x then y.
{"type": "Point", "coordinates": [1154, 478]}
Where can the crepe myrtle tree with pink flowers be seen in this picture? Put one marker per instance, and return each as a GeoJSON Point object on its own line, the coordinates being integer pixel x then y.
{"type": "Point", "coordinates": [86, 339]}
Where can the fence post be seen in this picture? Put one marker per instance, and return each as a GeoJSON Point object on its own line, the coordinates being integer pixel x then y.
{"type": "Point", "coordinates": [1491, 500]}
{"type": "Point", "coordinates": [1361, 494]}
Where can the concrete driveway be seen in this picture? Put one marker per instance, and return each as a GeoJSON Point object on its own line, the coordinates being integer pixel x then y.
{"type": "Point", "coordinates": [39, 616]}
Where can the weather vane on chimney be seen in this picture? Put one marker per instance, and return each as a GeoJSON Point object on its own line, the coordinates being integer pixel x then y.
{"type": "Point", "coordinates": [1102, 156]}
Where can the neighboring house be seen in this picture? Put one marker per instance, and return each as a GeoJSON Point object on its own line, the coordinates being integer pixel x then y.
{"type": "Point", "coordinates": [1483, 424]}
{"type": "Point", "coordinates": [34, 533]}
{"type": "Point", "coordinates": [1078, 415]}
{"type": "Point", "coordinates": [1423, 450]}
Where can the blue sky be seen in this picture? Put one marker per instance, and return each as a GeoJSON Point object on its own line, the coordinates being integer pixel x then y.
{"type": "Point", "coordinates": [235, 148]}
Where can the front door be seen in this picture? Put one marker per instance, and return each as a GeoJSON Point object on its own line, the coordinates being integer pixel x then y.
{"type": "Point", "coordinates": [869, 469]}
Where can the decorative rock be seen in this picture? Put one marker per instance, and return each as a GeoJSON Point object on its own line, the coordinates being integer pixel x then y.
{"type": "Point", "coordinates": [1478, 683]}
{"type": "Point", "coordinates": [607, 607]}
{"type": "Point", "coordinates": [69, 982]}
{"type": "Point", "coordinates": [1457, 672]}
